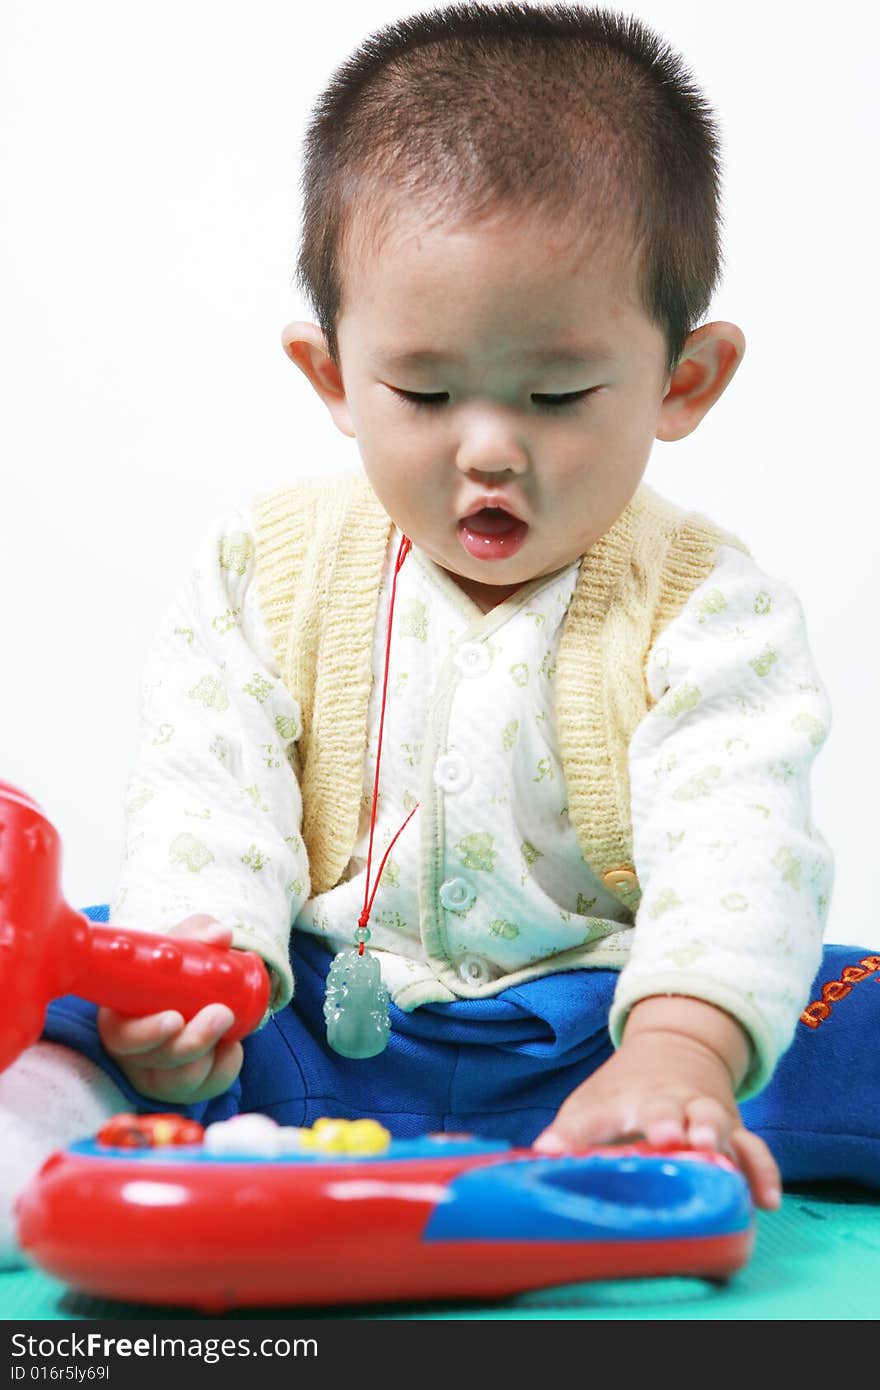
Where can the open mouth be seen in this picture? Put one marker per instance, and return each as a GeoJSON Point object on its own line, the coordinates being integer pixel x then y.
{"type": "Point", "coordinates": [491, 533]}
{"type": "Point", "coordinates": [491, 521]}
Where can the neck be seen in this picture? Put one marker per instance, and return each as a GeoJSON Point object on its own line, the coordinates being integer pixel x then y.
{"type": "Point", "coordinates": [485, 596]}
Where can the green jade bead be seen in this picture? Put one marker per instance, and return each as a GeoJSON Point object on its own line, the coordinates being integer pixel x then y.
{"type": "Point", "coordinates": [356, 1005]}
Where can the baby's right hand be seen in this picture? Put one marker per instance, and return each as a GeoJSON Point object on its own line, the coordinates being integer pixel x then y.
{"type": "Point", "coordinates": [166, 1058]}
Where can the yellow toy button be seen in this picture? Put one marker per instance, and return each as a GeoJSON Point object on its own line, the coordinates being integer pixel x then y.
{"type": "Point", "coordinates": [346, 1136]}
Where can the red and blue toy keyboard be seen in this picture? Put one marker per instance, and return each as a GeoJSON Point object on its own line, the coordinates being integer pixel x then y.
{"type": "Point", "coordinates": [442, 1216]}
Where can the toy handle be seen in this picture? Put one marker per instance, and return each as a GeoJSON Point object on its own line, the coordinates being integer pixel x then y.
{"type": "Point", "coordinates": [139, 972]}
{"type": "Point", "coordinates": [48, 949]}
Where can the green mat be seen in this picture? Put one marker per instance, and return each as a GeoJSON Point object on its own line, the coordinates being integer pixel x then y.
{"type": "Point", "coordinates": [818, 1258]}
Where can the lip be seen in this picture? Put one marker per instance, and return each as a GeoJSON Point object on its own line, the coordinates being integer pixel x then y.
{"type": "Point", "coordinates": [498, 500]}
{"type": "Point", "coordinates": [481, 545]}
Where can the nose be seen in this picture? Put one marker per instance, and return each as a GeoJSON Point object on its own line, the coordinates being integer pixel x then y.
{"type": "Point", "coordinates": [490, 443]}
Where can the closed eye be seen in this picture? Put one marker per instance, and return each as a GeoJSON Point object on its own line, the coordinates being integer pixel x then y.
{"type": "Point", "coordinates": [421, 399]}
{"type": "Point", "coordinates": [553, 401]}
{"type": "Point", "coordinates": [427, 400]}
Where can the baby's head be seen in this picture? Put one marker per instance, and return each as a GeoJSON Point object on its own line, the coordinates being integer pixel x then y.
{"type": "Point", "coordinates": [510, 235]}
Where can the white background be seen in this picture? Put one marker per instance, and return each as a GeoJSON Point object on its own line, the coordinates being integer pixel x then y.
{"type": "Point", "coordinates": [149, 166]}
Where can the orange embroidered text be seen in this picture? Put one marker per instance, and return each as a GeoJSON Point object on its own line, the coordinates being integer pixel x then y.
{"type": "Point", "coordinates": [816, 1012]}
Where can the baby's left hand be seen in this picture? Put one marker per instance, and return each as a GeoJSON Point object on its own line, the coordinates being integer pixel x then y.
{"type": "Point", "coordinates": [668, 1089]}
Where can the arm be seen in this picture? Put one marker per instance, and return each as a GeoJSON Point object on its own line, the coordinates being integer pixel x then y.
{"type": "Point", "coordinates": [213, 808]}
{"type": "Point", "coordinates": [214, 813]}
{"type": "Point", "coordinates": [735, 878]}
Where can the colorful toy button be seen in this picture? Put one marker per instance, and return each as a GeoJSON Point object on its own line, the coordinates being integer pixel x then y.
{"type": "Point", "coordinates": [261, 1137]}
{"type": "Point", "coordinates": [149, 1131]}
{"type": "Point", "coordinates": [348, 1137]}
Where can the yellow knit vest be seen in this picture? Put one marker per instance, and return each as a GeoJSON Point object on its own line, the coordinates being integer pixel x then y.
{"type": "Point", "coordinates": [321, 547]}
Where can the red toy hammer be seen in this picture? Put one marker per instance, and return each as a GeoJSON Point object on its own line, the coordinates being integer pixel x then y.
{"type": "Point", "coordinates": [48, 949]}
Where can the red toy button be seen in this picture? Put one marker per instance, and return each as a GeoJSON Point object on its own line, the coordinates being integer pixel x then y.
{"type": "Point", "coordinates": [149, 1131]}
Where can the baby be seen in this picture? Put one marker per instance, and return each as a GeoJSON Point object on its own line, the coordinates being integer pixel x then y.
{"type": "Point", "coordinates": [584, 861]}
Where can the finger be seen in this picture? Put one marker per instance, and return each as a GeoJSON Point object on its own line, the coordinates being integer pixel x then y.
{"type": "Point", "coordinates": [124, 1036]}
{"type": "Point", "coordinates": [194, 1041]}
{"type": "Point", "coordinates": [759, 1168]}
{"type": "Point", "coordinates": [581, 1126]}
{"type": "Point", "coordinates": [227, 1064]}
{"type": "Point", "coordinates": [709, 1123]}
{"type": "Point", "coordinates": [207, 1077]}
{"type": "Point", "coordinates": [659, 1119]}
{"type": "Point", "coordinates": [179, 1086]}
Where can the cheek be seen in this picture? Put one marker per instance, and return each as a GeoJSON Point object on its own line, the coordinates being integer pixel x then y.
{"type": "Point", "coordinates": [615, 443]}
{"type": "Point", "coordinates": [594, 479]}
{"type": "Point", "coordinates": [578, 465]}
{"type": "Point", "coordinates": [634, 426]}
{"type": "Point", "coordinates": [388, 428]}
{"type": "Point", "coordinates": [395, 477]}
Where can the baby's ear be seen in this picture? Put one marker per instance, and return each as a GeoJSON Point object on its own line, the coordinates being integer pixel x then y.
{"type": "Point", "coordinates": [306, 345]}
{"type": "Point", "coordinates": [710, 357]}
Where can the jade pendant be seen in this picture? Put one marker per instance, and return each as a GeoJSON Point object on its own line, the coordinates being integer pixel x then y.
{"type": "Point", "coordinates": [356, 1005]}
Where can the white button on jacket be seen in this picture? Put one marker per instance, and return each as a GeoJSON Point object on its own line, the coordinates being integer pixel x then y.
{"type": "Point", "coordinates": [452, 772]}
{"type": "Point", "coordinates": [474, 970]}
{"type": "Point", "coordinates": [457, 894]}
{"type": "Point", "coordinates": [472, 658]}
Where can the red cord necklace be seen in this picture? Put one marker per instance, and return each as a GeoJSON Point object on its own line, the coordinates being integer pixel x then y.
{"type": "Point", "coordinates": [356, 1001]}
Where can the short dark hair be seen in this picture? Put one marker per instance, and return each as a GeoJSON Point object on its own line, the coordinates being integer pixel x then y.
{"type": "Point", "coordinates": [471, 110]}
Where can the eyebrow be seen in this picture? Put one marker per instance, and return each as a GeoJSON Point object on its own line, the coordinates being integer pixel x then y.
{"type": "Point", "coordinates": [428, 357]}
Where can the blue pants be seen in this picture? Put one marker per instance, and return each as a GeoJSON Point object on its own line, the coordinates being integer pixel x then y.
{"type": "Point", "coordinates": [501, 1067]}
